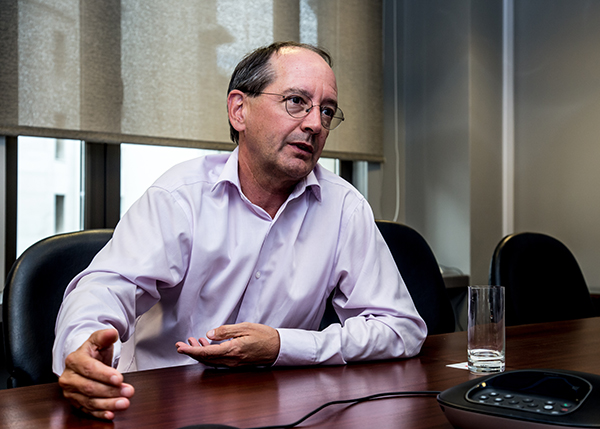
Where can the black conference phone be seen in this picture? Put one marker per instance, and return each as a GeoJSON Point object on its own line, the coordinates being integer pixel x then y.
{"type": "Point", "coordinates": [532, 399]}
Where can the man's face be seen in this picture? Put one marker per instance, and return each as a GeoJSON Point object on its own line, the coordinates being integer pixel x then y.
{"type": "Point", "coordinates": [275, 145]}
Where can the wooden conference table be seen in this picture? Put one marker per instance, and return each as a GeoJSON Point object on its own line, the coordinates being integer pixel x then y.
{"type": "Point", "coordinates": [182, 396]}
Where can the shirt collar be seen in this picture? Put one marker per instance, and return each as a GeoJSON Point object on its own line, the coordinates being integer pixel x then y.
{"type": "Point", "coordinates": [230, 174]}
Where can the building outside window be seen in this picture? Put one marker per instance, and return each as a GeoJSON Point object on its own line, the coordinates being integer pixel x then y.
{"type": "Point", "coordinates": [49, 189]}
{"type": "Point", "coordinates": [50, 177]}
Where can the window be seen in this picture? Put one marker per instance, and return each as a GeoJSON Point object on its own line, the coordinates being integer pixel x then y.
{"type": "Point", "coordinates": [332, 164]}
{"type": "Point", "coordinates": [49, 190]}
{"type": "Point", "coordinates": [59, 153]}
{"type": "Point", "coordinates": [59, 213]}
{"type": "Point", "coordinates": [50, 187]}
{"type": "Point", "coordinates": [141, 165]}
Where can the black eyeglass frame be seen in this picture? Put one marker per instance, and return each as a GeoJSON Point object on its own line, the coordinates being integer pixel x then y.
{"type": "Point", "coordinates": [304, 113]}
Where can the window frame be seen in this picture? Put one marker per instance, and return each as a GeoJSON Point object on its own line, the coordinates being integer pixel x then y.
{"type": "Point", "coordinates": [102, 184]}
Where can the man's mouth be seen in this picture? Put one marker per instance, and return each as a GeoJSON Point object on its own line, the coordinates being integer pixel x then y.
{"type": "Point", "coordinates": [305, 147]}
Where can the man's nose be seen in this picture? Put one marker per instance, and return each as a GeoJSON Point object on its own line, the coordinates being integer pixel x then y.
{"type": "Point", "coordinates": [312, 121]}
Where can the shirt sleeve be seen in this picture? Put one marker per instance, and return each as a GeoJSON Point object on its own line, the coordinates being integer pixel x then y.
{"type": "Point", "coordinates": [377, 314]}
{"type": "Point", "coordinates": [148, 251]}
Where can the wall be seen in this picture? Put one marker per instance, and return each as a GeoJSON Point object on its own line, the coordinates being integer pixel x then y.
{"type": "Point", "coordinates": [444, 116]}
{"type": "Point", "coordinates": [557, 124]}
{"type": "Point", "coordinates": [443, 127]}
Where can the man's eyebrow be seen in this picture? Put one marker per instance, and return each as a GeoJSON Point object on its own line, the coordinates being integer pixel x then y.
{"type": "Point", "coordinates": [299, 91]}
{"type": "Point", "coordinates": [305, 93]}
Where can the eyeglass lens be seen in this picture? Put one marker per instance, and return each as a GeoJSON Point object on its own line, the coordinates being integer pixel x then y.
{"type": "Point", "coordinates": [297, 107]}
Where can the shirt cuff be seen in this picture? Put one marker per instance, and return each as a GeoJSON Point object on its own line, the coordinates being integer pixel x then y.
{"type": "Point", "coordinates": [296, 347]}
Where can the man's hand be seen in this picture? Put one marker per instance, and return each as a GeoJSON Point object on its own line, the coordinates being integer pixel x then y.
{"type": "Point", "coordinates": [90, 383]}
{"type": "Point", "coordinates": [249, 344]}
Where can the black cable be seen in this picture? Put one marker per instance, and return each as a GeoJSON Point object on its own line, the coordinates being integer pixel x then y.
{"type": "Point", "coordinates": [376, 396]}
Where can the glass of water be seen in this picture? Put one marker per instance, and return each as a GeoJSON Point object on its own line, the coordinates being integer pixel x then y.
{"type": "Point", "coordinates": [486, 338]}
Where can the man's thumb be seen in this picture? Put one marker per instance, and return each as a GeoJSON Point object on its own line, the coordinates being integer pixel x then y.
{"type": "Point", "coordinates": [104, 338]}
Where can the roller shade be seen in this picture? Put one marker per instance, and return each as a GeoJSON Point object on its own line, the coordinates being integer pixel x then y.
{"type": "Point", "coordinates": [156, 71]}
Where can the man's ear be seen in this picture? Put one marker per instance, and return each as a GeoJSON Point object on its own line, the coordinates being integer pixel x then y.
{"type": "Point", "coordinates": [236, 108]}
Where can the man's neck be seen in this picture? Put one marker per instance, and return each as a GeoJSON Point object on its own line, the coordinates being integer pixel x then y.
{"type": "Point", "coordinates": [262, 191]}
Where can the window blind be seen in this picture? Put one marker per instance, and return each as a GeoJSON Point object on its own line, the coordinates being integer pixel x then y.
{"type": "Point", "coordinates": [156, 72]}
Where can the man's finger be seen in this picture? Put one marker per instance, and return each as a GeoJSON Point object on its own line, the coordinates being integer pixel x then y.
{"type": "Point", "coordinates": [226, 332]}
{"type": "Point", "coordinates": [102, 408]}
{"type": "Point", "coordinates": [104, 338]}
{"type": "Point", "coordinates": [202, 353]}
{"type": "Point", "coordinates": [94, 358]}
{"type": "Point", "coordinates": [88, 367]}
{"type": "Point", "coordinates": [193, 342]}
{"type": "Point", "coordinates": [229, 353]}
{"type": "Point", "coordinates": [100, 345]}
{"type": "Point", "coordinates": [73, 383]}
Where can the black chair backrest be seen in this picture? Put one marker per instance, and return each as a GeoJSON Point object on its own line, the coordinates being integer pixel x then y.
{"type": "Point", "coordinates": [32, 297]}
{"type": "Point", "coordinates": [421, 273]}
{"type": "Point", "coordinates": [542, 279]}
{"type": "Point", "coordinates": [422, 276]}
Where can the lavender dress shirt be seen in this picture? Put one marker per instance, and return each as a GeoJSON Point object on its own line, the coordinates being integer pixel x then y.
{"type": "Point", "coordinates": [194, 253]}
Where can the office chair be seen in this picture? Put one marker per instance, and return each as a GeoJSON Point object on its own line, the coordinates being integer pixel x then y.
{"type": "Point", "coordinates": [542, 279]}
{"type": "Point", "coordinates": [32, 297]}
{"type": "Point", "coordinates": [421, 273]}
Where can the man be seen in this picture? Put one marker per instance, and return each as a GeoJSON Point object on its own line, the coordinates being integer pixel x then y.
{"type": "Point", "coordinates": [243, 247]}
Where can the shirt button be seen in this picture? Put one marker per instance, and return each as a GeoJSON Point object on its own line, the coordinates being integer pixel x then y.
{"type": "Point", "coordinates": [257, 275]}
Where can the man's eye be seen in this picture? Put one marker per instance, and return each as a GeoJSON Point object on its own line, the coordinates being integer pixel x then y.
{"type": "Point", "coordinates": [296, 99]}
{"type": "Point", "coordinates": [328, 112]}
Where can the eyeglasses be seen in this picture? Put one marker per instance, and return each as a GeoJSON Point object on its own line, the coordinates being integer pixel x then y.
{"type": "Point", "coordinates": [299, 107]}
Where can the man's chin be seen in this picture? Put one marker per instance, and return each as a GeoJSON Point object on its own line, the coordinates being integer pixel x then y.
{"type": "Point", "coordinates": [298, 169]}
